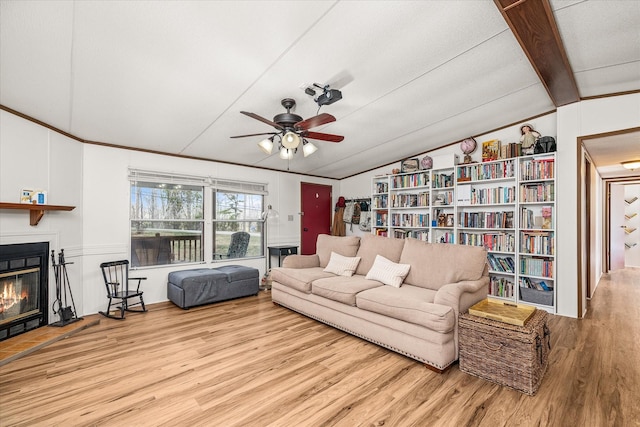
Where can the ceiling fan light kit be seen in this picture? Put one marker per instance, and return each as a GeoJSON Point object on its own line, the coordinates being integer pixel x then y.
{"type": "Point", "coordinates": [292, 129]}
{"type": "Point", "coordinates": [286, 153]}
{"type": "Point", "coordinates": [266, 145]}
{"type": "Point", "coordinates": [290, 140]}
{"type": "Point", "coordinates": [308, 148]}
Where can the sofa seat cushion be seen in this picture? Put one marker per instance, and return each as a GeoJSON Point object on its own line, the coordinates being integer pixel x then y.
{"type": "Point", "coordinates": [298, 278]}
{"type": "Point", "coordinates": [408, 303]}
{"type": "Point", "coordinates": [342, 289]}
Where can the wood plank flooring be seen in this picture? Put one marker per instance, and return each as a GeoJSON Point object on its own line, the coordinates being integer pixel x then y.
{"type": "Point", "coordinates": [249, 362]}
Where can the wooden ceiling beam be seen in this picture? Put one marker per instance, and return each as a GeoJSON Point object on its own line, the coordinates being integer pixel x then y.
{"type": "Point", "coordinates": [534, 26]}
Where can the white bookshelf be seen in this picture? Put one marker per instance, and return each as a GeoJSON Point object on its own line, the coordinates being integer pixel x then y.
{"type": "Point", "coordinates": [409, 201]}
{"type": "Point", "coordinates": [507, 205]}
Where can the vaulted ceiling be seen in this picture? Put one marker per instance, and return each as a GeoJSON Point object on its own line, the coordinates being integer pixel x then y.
{"type": "Point", "coordinates": [173, 76]}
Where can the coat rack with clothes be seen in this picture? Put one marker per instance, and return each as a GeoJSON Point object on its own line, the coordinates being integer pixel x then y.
{"type": "Point", "coordinates": [355, 210]}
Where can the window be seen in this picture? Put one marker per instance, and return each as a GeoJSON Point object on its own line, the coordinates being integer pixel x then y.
{"type": "Point", "coordinates": [166, 223]}
{"type": "Point", "coordinates": [168, 219]}
{"type": "Point", "coordinates": [237, 230]}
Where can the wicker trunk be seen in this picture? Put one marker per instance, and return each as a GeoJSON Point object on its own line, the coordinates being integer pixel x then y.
{"type": "Point", "coordinates": [514, 356]}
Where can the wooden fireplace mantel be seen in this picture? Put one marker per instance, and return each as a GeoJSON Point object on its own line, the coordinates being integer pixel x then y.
{"type": "Point", "coordinates": [36, 212]}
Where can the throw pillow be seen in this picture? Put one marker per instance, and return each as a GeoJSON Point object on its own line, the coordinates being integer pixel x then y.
{"type": "Point", "coordinates": [388, 272]}
{"type": "Point", "coordinates": [342, 265]}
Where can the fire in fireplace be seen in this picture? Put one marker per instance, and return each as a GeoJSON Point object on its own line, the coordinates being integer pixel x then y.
{"type": "Point", "coordinates": [19, 296]}
{"type": "Point", "coordinates": [23, 287]}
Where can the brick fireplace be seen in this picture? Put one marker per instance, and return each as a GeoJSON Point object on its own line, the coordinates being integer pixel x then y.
{"type": "Point", "coordinates": [24, 274]}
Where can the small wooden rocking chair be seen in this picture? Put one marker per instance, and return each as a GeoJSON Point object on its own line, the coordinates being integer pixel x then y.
{"type": "Point", "coordinates": [116, 280]}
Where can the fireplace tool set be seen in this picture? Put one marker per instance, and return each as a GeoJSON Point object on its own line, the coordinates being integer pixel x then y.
{"type": "Point", "coordinates": [66, 312]}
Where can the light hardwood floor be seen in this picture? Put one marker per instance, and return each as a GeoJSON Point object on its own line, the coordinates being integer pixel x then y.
{"type": "Point", "coordinates": [251, 363]}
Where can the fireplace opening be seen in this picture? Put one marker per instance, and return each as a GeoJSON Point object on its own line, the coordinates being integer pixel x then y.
{"type": "Point", "coordinates": [23, 288]}
{"type": "Point", "coordinates": [19, 296]}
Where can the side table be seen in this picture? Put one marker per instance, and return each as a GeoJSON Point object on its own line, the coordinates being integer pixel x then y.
{"type": "Point", "coordinates": [280, 252]}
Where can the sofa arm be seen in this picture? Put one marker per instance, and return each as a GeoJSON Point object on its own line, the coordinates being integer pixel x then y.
{"type": "Point", "coordinates": [462, 295]}
{"type": "Point", "coordinates": [301, 261]}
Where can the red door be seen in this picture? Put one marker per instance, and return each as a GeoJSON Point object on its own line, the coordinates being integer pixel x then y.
{"type": "Point", "coordinates": [316, 214]}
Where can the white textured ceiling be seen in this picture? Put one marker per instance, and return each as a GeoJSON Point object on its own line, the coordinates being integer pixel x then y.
{"type": "Point", "coordinates": [173, 76]}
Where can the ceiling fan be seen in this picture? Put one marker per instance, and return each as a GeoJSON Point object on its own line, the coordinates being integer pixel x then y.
{"type": "Point", "coordinates": [292, 130]}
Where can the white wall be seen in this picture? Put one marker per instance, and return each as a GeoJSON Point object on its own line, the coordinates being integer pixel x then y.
{"type": "Point", "coordinates": [106, 214]}
{"type": "Point", "coordinates": [95, 179]}
{"type": "Point", "coordinates": [33, 157]}
{"type": "Point", "coordinates": [577, 120]}
{"type": "Point", "coordinates": [632, 255]}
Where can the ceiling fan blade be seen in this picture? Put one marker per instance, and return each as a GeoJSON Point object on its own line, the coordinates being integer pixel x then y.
{"type": "Point", "coordinates": [323, 136]}
{"type": "Point", "coordinates": [253, 134]}
{"type": "Point", "coordinates": [311, 122]}
{"type": "Point", "coordinates": [262, 119]}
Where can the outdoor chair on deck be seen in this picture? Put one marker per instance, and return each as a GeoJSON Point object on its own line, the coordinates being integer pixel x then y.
{"type": "Point", "coordinates": [238, 245]}
{"type": "Point", "coordinates": [116, 279]}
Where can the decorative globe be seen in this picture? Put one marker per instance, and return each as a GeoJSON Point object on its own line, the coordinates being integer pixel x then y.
{"type": "Point", "coordinates": [426, 162]}
{"type": "Point", "coordinates": [468, 145]}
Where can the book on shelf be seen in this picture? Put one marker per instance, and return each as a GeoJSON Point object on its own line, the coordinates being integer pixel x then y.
{"type": "Point", "coordinates": [526, 282]}
{"type": "Point", "coordinates": [547, 222]}
{"type": "Point", "coordinates": [490, 150]}
{"type": "Point", "coordinates": [512, 149]}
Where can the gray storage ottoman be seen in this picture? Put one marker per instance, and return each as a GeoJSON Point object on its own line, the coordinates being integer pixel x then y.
{"type": "Point", "coordinates": [188, 288]}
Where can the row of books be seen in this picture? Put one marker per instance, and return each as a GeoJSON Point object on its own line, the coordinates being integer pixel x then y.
{"type": "Point", "coordinates": [528, 219]}
{"type": "Point", "coordinates": [379, 201]}
{"type": "Point", "coordinates": [541, 192]}
{"type": "Point", "coordinates": [441, 180]}
{"type": "Point", "coordinates": [503, 264]}
{"type": "Point", "coordinates": [486, 219]}
{"type": "Point", "coordinates": [536, 267]}
{"type": "Point", "coordinates": [445, 237]}
{"type": "Point", "coordinates": [381, 219]}
{"type": "Point", "coordinates": [381, 187]}
{"type": "Point", "coordinates": [409, 220]}
{"type": "Point", "coordinates": [500, 242]}
{"type": "Point", "coordinates": [410, 200]}
{"type": "Point", "coordinates": [480, 172]}
{"type": "Point", "coordinates": [533, 169]}
{"type": "Point", "coordinates": [489, 196]}
{"type": "Point", "coordinates": [537, 242]}
{"type": "Point", "coordinates": [420, 179]}
{"type": "Point", "coordinates": [501, 287]}
{"type": "Point", "coordinates": [413, 234]}
{"type": "Point", "coordinates": [526, 282]}
{"type": "Point", "coordinates": [495, 150]}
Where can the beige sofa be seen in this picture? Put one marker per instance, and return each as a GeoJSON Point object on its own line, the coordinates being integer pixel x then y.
{"type": "Point", "coordinates": [418, 319]}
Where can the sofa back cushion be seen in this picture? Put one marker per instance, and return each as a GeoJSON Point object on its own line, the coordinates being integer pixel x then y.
{"type": "Point", "coordinates": [343, 245]}
{"type": "Point", "coordinates": [433, 265]}
{"type": "Point", "coordinates": [372, 245]}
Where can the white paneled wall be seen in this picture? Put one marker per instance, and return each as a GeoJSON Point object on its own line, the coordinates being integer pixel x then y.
{"type": "Point", "coordinates": [33, 157]}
